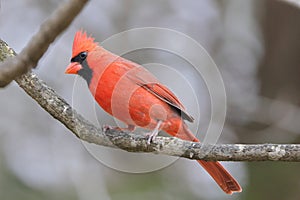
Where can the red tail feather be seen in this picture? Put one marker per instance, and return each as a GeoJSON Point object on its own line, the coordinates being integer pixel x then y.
{"type": "Point", "coordinates": [215, 169]}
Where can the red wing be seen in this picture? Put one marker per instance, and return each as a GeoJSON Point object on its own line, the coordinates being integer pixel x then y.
{"type": "Point", "coordinates": [145, 79]}
{"type": "Point", "coordinates": [167, 96]}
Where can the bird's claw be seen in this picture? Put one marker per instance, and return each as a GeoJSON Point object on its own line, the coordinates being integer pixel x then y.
{"type": "Point", "coordinates": [154, 133]}
{"type": "Point", "coordinates": [106, 127]}
{"type": "Point", "coordinates": [152, 136]}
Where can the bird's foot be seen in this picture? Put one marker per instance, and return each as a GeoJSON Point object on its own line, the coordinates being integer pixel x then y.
{"type": "Point", "coordinates": [152, 136]}
{"type": "Point", "coordinates": [106, 127]}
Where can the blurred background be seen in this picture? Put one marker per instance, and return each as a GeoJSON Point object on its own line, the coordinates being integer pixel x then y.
{"type": "Point", "coordinates": [255, 45]}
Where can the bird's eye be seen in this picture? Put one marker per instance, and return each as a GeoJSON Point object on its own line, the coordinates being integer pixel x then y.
{"type": "Point", "coordinates": [80, 57]}
{"type": "Point", "coordinates": [83, 55]}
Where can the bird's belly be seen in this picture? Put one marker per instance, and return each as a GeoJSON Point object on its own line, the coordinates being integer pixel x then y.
{"type": "Point", "coordinates": [146, 109]}
{"type": "Point", "coordinates": [133, 105]}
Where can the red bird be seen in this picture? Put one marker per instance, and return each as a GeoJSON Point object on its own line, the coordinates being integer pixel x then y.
{"type": "Point", "coordinates": [130, 93]}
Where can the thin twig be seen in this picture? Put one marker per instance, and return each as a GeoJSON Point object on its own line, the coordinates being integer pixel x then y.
{"type": "Point", "coordinates": [40, 42]}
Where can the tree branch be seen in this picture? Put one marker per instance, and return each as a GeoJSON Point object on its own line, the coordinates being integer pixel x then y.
{"type": "Point", "coordinates": [40, 42]}
{"type": "Point", "coordinates": [83, 129]}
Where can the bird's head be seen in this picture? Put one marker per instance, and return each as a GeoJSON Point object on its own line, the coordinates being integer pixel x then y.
{"type": "Point", "coordinates": [83, 45]}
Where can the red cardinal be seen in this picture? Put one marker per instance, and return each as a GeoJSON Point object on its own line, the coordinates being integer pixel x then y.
{"type": "Point", "coordinates": [130, 93]}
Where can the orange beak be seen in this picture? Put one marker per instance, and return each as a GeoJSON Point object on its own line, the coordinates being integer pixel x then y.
{"type": "Point", "coordinates": [73, 68]}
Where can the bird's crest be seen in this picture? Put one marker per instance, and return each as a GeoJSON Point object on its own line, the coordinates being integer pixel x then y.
{"type": "Point", "coordinates": [82, 43]}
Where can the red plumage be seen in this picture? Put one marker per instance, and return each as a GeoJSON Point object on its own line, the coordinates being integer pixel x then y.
{"type": "Point", "coordinates": [133, 95]}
